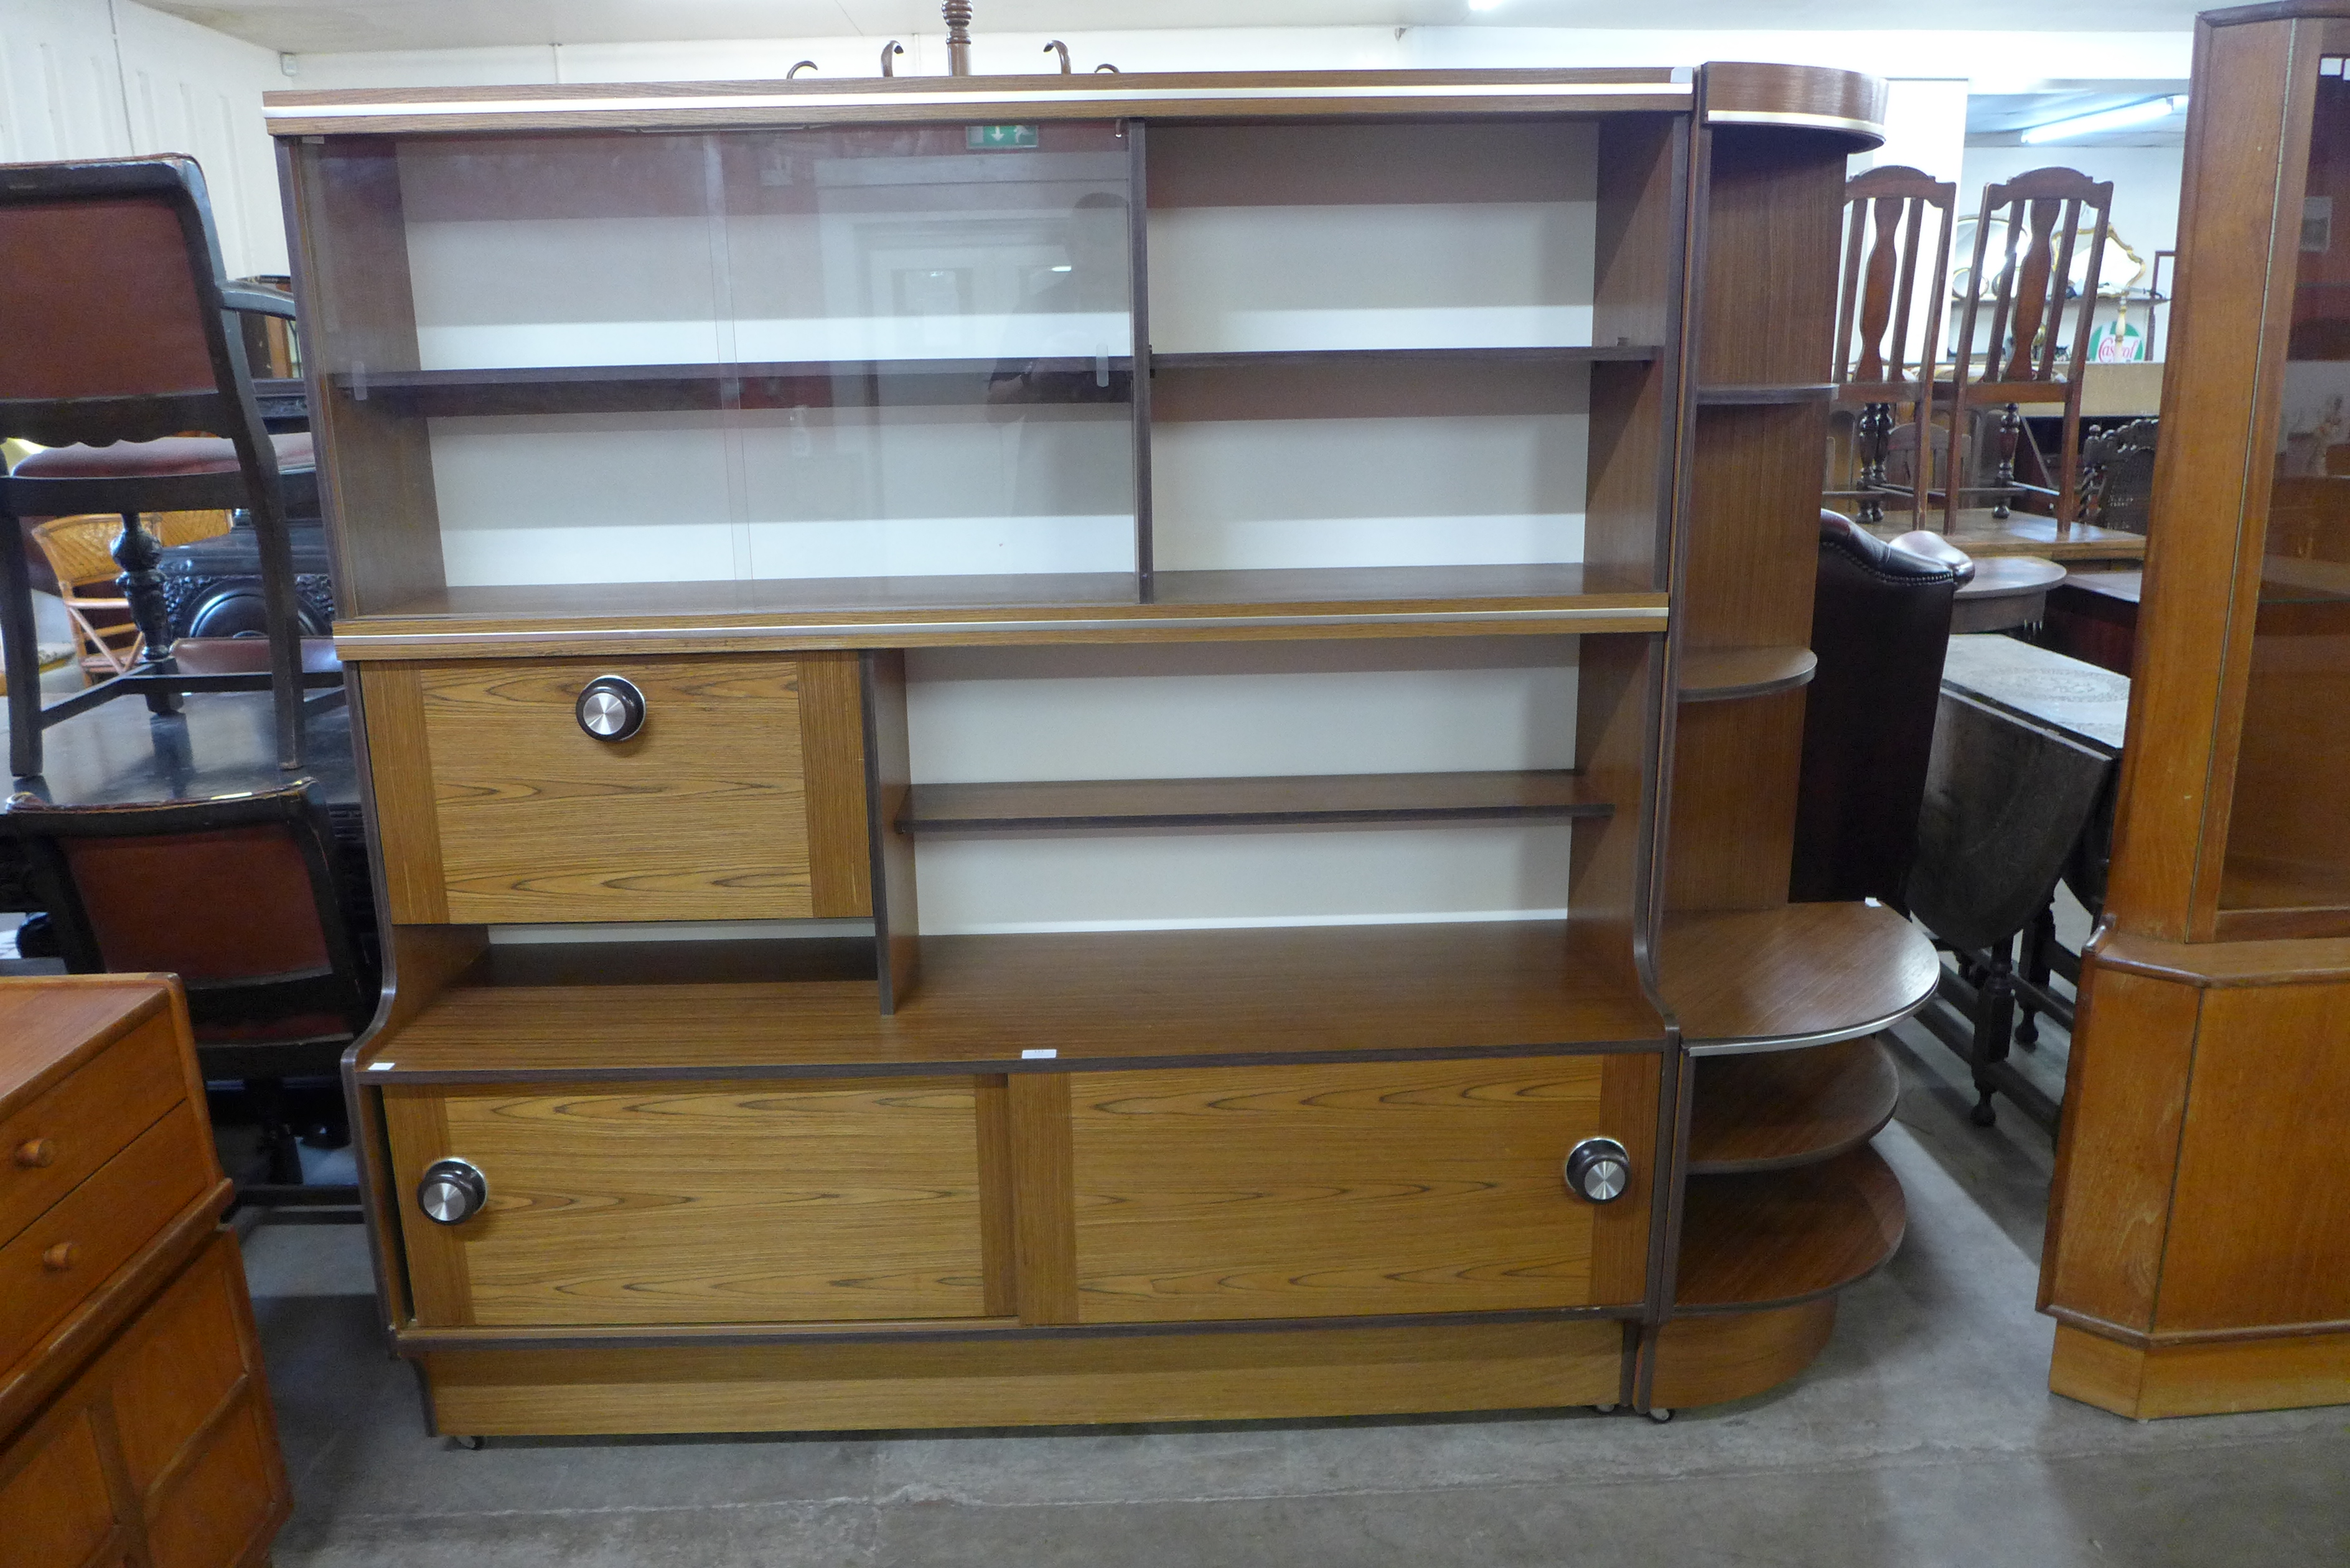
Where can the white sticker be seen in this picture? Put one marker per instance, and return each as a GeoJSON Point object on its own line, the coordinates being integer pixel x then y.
{"type": "Point", "coordinates": [379, 1066]}
{"type": "Point", "coordinates": [1035, 1055]}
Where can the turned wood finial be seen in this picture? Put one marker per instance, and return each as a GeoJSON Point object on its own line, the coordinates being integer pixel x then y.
{"type": "Point", "coordinates": [890, 53]}
{"type": "Point", "coordinates": [958, 16]}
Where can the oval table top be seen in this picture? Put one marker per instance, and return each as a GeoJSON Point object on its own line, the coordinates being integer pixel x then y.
{"type": "Point", "coordinates": [2006, 591]}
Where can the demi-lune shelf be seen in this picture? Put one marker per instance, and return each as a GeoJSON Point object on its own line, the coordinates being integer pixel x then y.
{"type": "Point", "coordinates": [1798, 975]}
{"type": "Point", "coordinates": [1726, 674]}
{"type": "Point", "coordinates": [1776, 1238]}
{"type": "Point", "coordinates": [1041, 1003]}
{"type": "Point", "coordinates": [1068, 806]}
{"type": "Point", "coordinates": [769, 614]}
{"type": "Point", "coordinates": [1777, 1109]}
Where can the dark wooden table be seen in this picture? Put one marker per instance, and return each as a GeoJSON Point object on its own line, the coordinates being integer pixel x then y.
{"type": "Point", "coordinates": [2093, 616]}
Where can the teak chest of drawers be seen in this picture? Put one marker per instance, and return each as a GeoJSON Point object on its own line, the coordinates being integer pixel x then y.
{"type": "Point", "coordinates": [135, 1424]}
{"type": "Point", "coordinates": [1393, 498]}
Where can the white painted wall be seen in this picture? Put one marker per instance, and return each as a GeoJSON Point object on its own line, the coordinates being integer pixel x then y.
{"type": "Point", "coordinates": [2146, 182]}
{"type": "Point", "coordinates": [98, 78]}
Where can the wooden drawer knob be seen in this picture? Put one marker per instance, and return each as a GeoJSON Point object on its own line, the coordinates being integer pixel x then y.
{"type": "Point", "coordinates": [60, 1258]}
{"type": "Point", "coordinates": [36, 1152]}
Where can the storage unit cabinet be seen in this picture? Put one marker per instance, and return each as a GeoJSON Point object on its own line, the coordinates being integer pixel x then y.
{"type": "Point", "coordinates": [1043, 746]}
{"type": "Point", "coordinates": [135, 1425]}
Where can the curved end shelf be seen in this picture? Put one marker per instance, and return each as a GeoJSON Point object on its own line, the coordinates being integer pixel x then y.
{"type": "Point", "coordinates": [1799, 975]}
{"type": "Point", "coordinates": [1776, 1110]}
{"type": "Point", "coordinates": [1735, 1356]}
{"type": "Point", "coordinates": [1780, 1237]}
{"type": "Point", "coordinates": [1725, 674]}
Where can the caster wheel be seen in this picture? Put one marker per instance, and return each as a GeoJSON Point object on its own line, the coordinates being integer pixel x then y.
{"type": "Point", "coordinates": [471, 1445]}
{"type": "Point", "coordinates": [1660, 1417]}
{"type": "Point", "coordinates": [1605, 1409]}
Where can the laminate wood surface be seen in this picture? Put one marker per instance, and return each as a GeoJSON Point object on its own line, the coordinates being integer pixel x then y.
{"type": "Point", "coordinates": [706, 1202]}
{"type": "Point", "coordinates": [1771, 1110]}
{"type": "Point", "coordinates": [889, 775]}
{"type": "Point", "coordinates": [703, 815]}
{"type": "Point", "coordinates": [1740, 92]}
{"type": "Point", "coordinates": [1776, 1238]}
{"type": "Point", "coordinates": [50, 1031]}
{"type": "Point", "coordinates": [1384, 360]}
{"type": "Point", "coordinates": [2276, 1374]}
{"type": "Point", "coordinates": [1983, 536]}
{"type": "Point", "coordinates": [1725, 674]}
{"type": "Point", "coordinates": [1380, 1188]}
{"type": "Point", "coordinates": [1734, 771]}
{"type": "Point", "coordinates": [1115, 999]}
{"type": "Point", "coordinates": [1063, 805]}
{"type": "Point", "coordinates": [2220, 965]}
{"type": "Point", "coordinates": [399, 766]}
{"type": "Point", "coordinates": [1708, 1360]}
{"type": "Point", "coordinates": [1044, 1221]}
{"type": "Point", "coordinates": [59, 1139]}
{"type": "Point", "coordinates": [832, 751]}
{"type": "Point", "coordinates": [631, 619]}
{"type": "Point", "coordinates": [1801, 973]}
{"type": "Point", "coordinates": [1294, 1374]}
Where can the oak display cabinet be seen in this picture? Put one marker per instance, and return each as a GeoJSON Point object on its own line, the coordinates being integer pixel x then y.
{"type": "Point", "coordinates": [1049, 777]}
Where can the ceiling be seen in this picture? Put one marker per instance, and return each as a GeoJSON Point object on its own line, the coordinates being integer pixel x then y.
{"type": "Point", "coordinates": [1999, 119]}
{"type": "Point", "coordinates": [325, 27]}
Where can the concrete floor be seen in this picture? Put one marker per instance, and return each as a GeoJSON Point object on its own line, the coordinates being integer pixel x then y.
{"type": "Point", "coordinates": [1924, 1436]}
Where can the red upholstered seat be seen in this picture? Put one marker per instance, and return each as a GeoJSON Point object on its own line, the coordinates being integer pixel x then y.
{"type": "Point", "coordinates": [173, 457]}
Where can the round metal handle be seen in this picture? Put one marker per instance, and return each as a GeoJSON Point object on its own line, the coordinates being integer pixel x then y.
{"type": "Point", "coordinates": [1598, 1169]}
{"type": "Point", "coordinates": [611, 708]}
{"type": "Point", "coordinates": [451, 1192]}
{"type": "Point", "coordinates": [36, 1152]}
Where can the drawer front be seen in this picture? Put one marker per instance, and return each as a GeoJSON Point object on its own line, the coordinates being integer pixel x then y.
{"type": "Point", "coordinates": [1283, 1192]}
{"type": "Point", "coordinates": [69, 1251]}
{"type": "Point", "coordinates": [53, 1145]}
{"type": "Point", "coordinates": [668, 1203]}
{"type": "Point", "coordinates": [54, 1507]}
{"type": "Point", "coordinates": [703, 815]}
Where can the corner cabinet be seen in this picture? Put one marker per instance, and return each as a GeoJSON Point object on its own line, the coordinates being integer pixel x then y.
{"type": "Point", "coordinates": [1041, 749]}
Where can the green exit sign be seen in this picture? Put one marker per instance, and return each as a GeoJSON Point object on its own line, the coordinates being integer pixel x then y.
{"type": "Point", "coordinates": [998, 137]}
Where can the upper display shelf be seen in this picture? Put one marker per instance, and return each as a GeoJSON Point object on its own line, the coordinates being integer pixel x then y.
{"type": "Point", "coordinates": [1842, 102]}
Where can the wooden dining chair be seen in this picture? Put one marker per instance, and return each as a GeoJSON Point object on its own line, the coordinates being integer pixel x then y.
{"type": "Point", "coordinates": [241, 898]}
{"type": "Point", "coordinates": [2028, 358]}
{"type": "Point", "coordinates": [1888, 213]}
{"type": "Point", "coordinates": [119, 338]}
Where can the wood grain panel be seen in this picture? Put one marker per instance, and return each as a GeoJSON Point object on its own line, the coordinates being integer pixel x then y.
{"type": "Point", "coordinates": [176, 1373]}
{"type": "Point", "coordinates": [1369, 1187]}
{"type": "Point", "coordinates": [1293, 1374]}
{"type": "Point", "coordinates": [999, 1240]}
{"type": "Point", "coordinates": [832, 748]}
{"type": "Point", "coordinates": [55, 1512]}
{"type": "Point", "coordinates": [69, 1251]}
{"type": "Point", "coordinates": [888, 775]}
{"type": "Point", "coordinates": [50, 1147]}
{"type": "Point", "coordinates": [431, 1259]}
{"type": "Point", "coordinates": [1754, 526]}
{"type": "Point", "coordinates": [1782, 1237]}
{"type": "Point", "coordinates": [1727, 674]}
{"type": "Point", "coordinates": [702, 815]}
{"type": "Point", "coordinates": [1735, 766]}
{"type": "Point", "coordinates": [1045, 1237]}
{"type": "Point", "coordinates": [399, 768]}
{"type": "Point", "coordinates": [1773, 202]}
{"type": "Point", "coordinates": [1800, 94]}
{"type": "Point", "coordinates": [224, 1506]}
{"type": "Point", "coordinates": [2117, 1147]}
{"type": "Point", "coordinates": [1620, 1231]}
{"type": "Point", "coordinates": [2260, 1221]}
{"type": "Point", "coordinates": [1775, 1110]}
{"type": "Point", "coordinates": [1708, 1360]}
{"type": "Point", "coordinates": [1797, 972]}
{"type": "Point", "coordinates": [1619, 686]}
{"type": "Point", "coordinates": [2285, 1373]}
{"type": "Point", "coordinates": [50, 1031]}
{"type": "Point", "coordinates": [717, 1202]}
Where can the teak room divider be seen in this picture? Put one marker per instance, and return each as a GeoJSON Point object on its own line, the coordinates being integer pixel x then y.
{"type": "Point", "coordinates": [716, 470]}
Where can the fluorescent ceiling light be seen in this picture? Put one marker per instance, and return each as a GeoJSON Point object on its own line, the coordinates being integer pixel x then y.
{"type": "Point", "coordinates": [2129, 114]}
{"type": "Point", "coordinates": [1485, 4]}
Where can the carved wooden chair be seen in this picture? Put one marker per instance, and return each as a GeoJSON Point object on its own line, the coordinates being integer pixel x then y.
{"type": "Point", "coordinates": [1889, 212]}
{"type": "Point", "coordinates": [241, 898]}
{"type": "Point", "coordinates": [2027, 357]}
{"type": "Point", "coordinates": [2117, 475]}
{"type": "Point", "coordinates": [121, 335]}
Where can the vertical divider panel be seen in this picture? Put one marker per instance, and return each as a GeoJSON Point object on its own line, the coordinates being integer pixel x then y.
{"type": "Point", "coordinates": [889, 773]}
{"type": "Point", "coordinates": [1137, 198]}
{"type": "Point", "coordinates": [1043, 1208]}
{"type": "Point", "coordinates": [832, 760]}
{"type": "Point", "coordinates": [999, 1231]}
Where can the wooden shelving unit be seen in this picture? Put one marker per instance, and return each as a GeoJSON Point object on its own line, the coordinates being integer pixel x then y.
{"type": "Point", "coordinates": [1502, 409]}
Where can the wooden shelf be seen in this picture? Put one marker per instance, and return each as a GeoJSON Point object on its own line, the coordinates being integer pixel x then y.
{"type": "Point", "coordinates": [1122, 999]}
{"type": "Point", "coordinates": [1774, 1110]}
{"type": "Point", "coordinates": [1347, 358]}
{"type": "Point", "coordinates": [1801, 974]}
{"type": "Point", "coordinates": [615, 618]}
{"type": "Point", "coordinates": [634, 389]}
{"type": "Point", "coordinates": [1726, 674]}
{"type": "Point", "coordinates": [1777, 1238]}
{"type": "Point", "coordinates": [1066, 805]}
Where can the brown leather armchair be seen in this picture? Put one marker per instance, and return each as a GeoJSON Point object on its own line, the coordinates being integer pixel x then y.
{"type": "Point", "coordinates": [1880, 626]}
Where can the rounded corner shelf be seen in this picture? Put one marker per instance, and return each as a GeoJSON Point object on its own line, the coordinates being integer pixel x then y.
{"type": "Point", "coordinates": [1778, 1238]}
{"type": "Point", "coordinates": [1727, 674]}
{"type": "Point", "coordinates": [1776, 1110]}
{"type": "Point", "coordinates": [1795, 976]}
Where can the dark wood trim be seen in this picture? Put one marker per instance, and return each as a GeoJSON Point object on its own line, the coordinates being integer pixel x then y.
{"type": "Point", "coordinates": [1759, 396]}
{"type": "Point", "coordinates": [1846, 104]}
{"type": "Point", "coordinates": [1073, 805]}
{"type": "Point", "coordinates": [889, 773]}
{"type": "Point", "coordinates": [1142, 363]}
{"type": "Point", "coordinates": [2160, 1339]}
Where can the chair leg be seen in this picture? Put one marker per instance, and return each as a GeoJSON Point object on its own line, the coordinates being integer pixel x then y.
{"type": "Point", "coordinates": [138, 553]}
{"type": "Point", "coordinates": [2039, 937]}
{"type": "Point", "coordinates": [279, 1144]}
{"type": "Point", "coordinates": [1994, 1023]}
{"type": "Point", "coordinates": [2010, 426]}
{"type": "Point", "coordinates": [1873, 432]}
{"type": "Point", "coordinates": [19, 642]}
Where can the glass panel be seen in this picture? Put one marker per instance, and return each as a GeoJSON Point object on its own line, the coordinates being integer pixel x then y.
{"type": "Point", "coordinates": [2289, 839]}
{"type": "Point", "coordinates": [818, 353]}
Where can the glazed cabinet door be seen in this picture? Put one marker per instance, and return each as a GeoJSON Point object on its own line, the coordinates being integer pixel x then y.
{"type": "Point", "coordinates": [680, 1202]}
{"type": "Point", "coordinates": [1374, 1188]}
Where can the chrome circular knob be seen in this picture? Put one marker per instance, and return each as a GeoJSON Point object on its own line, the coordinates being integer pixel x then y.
{"type": "Point", "coordinates": [1598, 1169]}
{"type": "Point", "coordinates": [611, 708]}
{"type": "Point", "coordinates": [451, 1192]}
